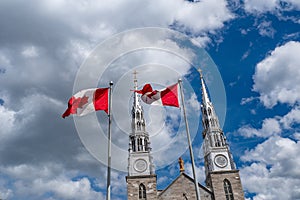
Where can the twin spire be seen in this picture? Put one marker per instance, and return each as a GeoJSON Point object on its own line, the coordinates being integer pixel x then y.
{"type": "Point", "coordinates": [210, 119]}
{"type": "Point", "coordinates": [139, 140]}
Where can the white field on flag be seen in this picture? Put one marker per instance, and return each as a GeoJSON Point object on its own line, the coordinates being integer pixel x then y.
{"type": "Point", "coordinates": [164, 97]}
{"type": "Point", "coordinates": [88, 107]}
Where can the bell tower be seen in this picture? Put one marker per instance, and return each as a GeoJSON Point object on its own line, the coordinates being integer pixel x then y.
{"type": "Point", "coordinates": [141, 179]}
{"type": "Point", "coordinates": [221, 174]}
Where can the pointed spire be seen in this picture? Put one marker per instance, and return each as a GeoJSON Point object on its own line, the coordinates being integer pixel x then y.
{"type": "Point", "coordinates": [210, 119]}
{"type": "Point", "coordinates": [138, 121]}
{"type": "Point", "coordinates": [205, 98]}
{"type": "Point", "coordinates": [139, 142]}
{"type": "Point", "coordinates": [215, 147]}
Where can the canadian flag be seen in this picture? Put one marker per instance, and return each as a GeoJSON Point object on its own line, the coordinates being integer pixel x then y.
{"type": "Point", "coordinates": [87, 101]}
{"type": "Point", "coordinates": [165, 97]}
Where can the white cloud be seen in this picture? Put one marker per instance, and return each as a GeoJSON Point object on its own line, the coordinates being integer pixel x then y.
{"type": "Point", "coordinates": [42, 46]}
{"type": "Point", "coordinates": [247, 100]}
{"type": "Point", "coordinates": [274, 172]}
{"type": "Point", "coordinates": [257, 6]}
{"type": "Point", "coordinates": [7, 119]}
{"type": "Point", "coordinates": [269, 127]}
{"type": "Point", "coordinates": [293, 117]}
{"type": "Point", "coordinates": [201, 14]}
{"type": "Point", "coordinates": [200, 172]}
{"type": "Point", "coordinates": [194, 103]}
{"type": "Point", "coordinates": [272, 126]}
{"type": "Point", "coordinates": [5, 191]}
{"type": "Point", "coordinates": [30, 52]}
{"type": "Point", "coordinates": [265, 29]}
{"type": "Point", "coordinates": [35, 181]}
{"type": "Point", "coordinates": [277, 77]}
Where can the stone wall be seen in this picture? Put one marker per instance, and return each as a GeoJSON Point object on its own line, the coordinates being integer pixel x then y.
{"type": "Point", "coordinates": [216, 180]}
{"type": "Point", "coordinates": [133, 183]}
{"type": "Point", "coordinates": [183, 188]}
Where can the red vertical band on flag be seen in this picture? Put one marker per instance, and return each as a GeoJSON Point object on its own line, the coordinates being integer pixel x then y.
{"type": "Point", "coordinates": [169, 96]}
{"type": "Point", "coordinates": [101, 99]}
{"type": "Point", "coordinates": [72, 108]}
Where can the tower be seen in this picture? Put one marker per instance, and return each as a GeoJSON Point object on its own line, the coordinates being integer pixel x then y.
{"type": "Point", "coordinates": [222, 177]}
{"type": "Point", "coordinates": [141, 179]}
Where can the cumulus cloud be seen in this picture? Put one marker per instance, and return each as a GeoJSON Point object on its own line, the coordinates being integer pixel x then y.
{"type": "Point", "coordinates": [274, 169]}
{"type": "Point", "coordinates": [271, 165]}
{"type": "Point", "coordinates": [277, 77]}
{"type": "Point", "coordinates": [272, 126]}
{"type": "Point", "coordinates": [257, 6]}
{"type": "Point", "coordinates": [269, 127]}
{"type": "Point", "coordinates": [30, 181]}
{"type": "Point", "coordinates": [42, 46]}
{"type": "Point", "coordinates": [292, 118]}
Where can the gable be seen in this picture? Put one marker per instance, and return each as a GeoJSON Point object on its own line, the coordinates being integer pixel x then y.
{"type": "Point", "coordinates": [183, 187]}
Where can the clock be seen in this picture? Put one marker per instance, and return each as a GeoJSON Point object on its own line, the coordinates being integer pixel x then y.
{"type": "Point", "coordinates": [140, 165]}
{"type": "Point", "coordinates": [221, 161]}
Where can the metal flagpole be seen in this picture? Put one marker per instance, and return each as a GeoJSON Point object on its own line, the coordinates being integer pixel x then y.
{"type": "Point", "coordinates": [109, 144]}
{"type": "Point", "coordinates": [189, 141]}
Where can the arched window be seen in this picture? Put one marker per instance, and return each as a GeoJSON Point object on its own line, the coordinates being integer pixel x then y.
{"type": "Point", "coordinates": [140, 144]}
{"type": "Point", "coordinates": [212, 122]}
{"type": "Point", "coordinates": [142, 191]}
{"type": "Point", "coordinates": [205, 113]}
{"type": "Point", "coordinates": [209, 111]}
{"type": "Point", "coordinates": [228, 190]}
{"type": "Point", "coordinates": [133, 144]}
{"type": "Point", "coordinates": [206, 123]}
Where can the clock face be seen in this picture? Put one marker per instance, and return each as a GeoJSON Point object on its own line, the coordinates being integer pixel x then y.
{"type": "Point", "coordinates": [140, 165]}
{"type": "Point", "coordinates": [221, 160]}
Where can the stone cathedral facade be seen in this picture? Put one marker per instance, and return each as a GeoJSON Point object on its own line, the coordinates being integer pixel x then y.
{"type": "Point", "coordinates": [222, 178]}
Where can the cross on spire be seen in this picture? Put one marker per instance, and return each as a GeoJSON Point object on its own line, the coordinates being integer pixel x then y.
{"type": "Point", "coordinates": [134, 75]}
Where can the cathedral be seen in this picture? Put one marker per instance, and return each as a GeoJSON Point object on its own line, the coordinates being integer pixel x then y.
{"type": "Point", "coordinates": [222, 178]}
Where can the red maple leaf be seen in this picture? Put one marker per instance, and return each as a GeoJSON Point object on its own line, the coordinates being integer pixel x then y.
{"type": "Point", "coordinates": [77, 103]}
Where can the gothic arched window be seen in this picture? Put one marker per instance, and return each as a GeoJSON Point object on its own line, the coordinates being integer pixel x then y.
{"type": "Point", "coordinates": [206, 123]}
{"type": "Point", "coordinates": [133, 144]}
{"type": "Point", "coordinates": [142, 191]}
{"type": "Point", "coordinates": [209, 111]}
{"type": "Point", "coordinates": [205, 113]}
{"type": "Point", "coordinates": [228, 190]}
{"type": "Point", "coordinates": [140, 144]}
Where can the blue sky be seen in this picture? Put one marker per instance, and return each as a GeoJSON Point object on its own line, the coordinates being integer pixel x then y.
{"type": "Point", "coordinates": [46, 46]}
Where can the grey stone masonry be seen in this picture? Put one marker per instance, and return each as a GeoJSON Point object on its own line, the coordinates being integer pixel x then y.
{"type": "Point", "coordinates": [133, 183]}
{"type": "Point", "coordinates": [216, 182]}
{"type": "Point", "coordinates": [183, 187]}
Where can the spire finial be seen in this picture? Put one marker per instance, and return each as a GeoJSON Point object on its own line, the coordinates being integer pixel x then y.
{"type": "Point", "coordinates": [200, 71]}
{"type": "Point", "coordinates": [181, 164]}
{"type": "Point", "coordinates": [135, 79]}
{"type": "Point", "coordinates": [205, 98]}
{"type": "Point", "coordinates": [134, 74]}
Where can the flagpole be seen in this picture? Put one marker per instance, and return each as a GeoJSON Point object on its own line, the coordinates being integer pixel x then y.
{"type": "Point", "coordinates": [109, 144]}
{"type": "Point", "coordinates": [189, 141]}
